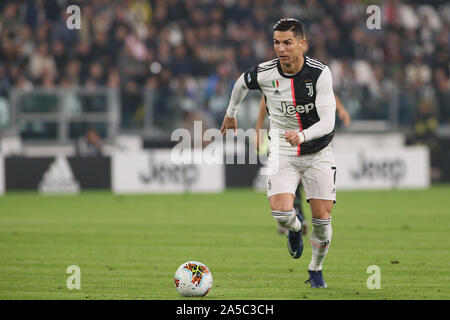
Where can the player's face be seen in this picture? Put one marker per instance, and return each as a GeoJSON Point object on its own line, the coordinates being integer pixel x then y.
{"type": "Point", "coordinates": [288, 48]}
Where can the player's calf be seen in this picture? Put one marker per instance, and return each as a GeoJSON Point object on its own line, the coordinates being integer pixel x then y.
{"type": "Point", "coordinates": [320, 240]}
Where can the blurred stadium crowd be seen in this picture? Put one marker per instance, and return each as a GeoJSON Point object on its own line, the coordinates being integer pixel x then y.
{"type": "Point", "coordinates": [189, 53]}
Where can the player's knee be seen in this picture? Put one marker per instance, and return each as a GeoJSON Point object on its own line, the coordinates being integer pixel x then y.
{"type": "Point", "coordinates": [322, 212]}
{"type": "Point", "coordinates": [321, 209]}
{"type": "Point", "coordinates": [283, 207]}
{"type": "Point", "coordinates": [282, 202]}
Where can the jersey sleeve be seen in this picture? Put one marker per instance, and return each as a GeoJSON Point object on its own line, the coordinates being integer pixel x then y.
{"type": "Point", "coordinates": [326, 107]}
{"type": "Point", "coordinates": [238, 94]}
{"type": "Point", "coordinates": [324, 88]}
{"type": "Point", "coordinates": [251, 78]}
{"type": "Point", "coordinates": [247, 80]}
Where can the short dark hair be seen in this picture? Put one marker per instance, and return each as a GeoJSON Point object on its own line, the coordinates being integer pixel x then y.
{"type": "Point", "coordinates": [290, 24]}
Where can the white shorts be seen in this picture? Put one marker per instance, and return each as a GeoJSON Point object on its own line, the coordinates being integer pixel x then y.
{"type": "Point", "coordinates": [317, 172]}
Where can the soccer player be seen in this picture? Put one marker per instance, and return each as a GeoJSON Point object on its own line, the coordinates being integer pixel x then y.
{"type": "Point", "coordinates": [343, 115]}
{"type": "Point", "coordinates": [301, 107]}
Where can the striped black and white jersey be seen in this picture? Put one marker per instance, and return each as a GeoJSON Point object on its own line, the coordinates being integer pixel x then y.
{"type": "Point", "coordinates": [301, 102]}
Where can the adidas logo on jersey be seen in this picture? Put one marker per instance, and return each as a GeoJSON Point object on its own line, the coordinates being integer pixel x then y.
{"type": "Point", "coordinates": [290, 109]}
{"type": "Point", "coordinates": [276, 93]}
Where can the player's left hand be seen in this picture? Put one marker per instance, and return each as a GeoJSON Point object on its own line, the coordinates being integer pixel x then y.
{"type": "Point", "coordinates": [292, 137]}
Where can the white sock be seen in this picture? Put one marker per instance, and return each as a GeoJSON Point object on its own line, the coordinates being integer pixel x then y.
{"type": "Point", "coordinates": [320, 241]}
{"type": "Point", "coordinates": [287, 219]}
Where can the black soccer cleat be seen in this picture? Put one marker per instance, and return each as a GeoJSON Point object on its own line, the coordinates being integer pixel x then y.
{"type": "Point", "coordinates": [316, 279]}
{"type": "Point", "coordinates": [295, 241]}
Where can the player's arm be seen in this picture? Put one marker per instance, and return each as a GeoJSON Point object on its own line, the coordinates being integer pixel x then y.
{"type": "Point", "coordinates": [342, 112]}
{"type": "Point", "coordinates": [247, 80]}
{"type": "Point", "coordinates": [260, 120]}
{"type": "Point", "coordinates": [326, 109]}
{"type": "Point", "coordinates": [237, 95]}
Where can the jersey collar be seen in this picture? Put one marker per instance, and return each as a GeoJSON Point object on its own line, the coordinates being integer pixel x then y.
{"type": "Point", "coordinates": [290, 76]}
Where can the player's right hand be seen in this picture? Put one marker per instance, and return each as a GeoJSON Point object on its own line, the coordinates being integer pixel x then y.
{"type": "Point", "coordinates": [228, 123]}
{"type": "Point", "coordinates": [292, 137]}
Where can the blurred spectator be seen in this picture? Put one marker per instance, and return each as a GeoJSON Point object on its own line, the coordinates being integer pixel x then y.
{"type": "Point", "coordinates": [442, 83]}
{"type": "Point", "coordinates": [96, 76]}
{"type": "Point", "coordinates": [113, 80]}
{"type": "Point", "coordinates": [10, 17]}
{"type": "Point", "coordinates": [100, 49]}
{"type": "Point", "coordinates": [89, 145]}
{"type": "Point", "coordinates": [42, 63]}
{"type": "Point", "coordinates": [4, 113]}
{"type": "Point", "coordinates": [72, 72]}
{"type": "Point", "coordinates": [60, 54]}
{"type": "Point", "coordinates": [425, 125]}
{"type": "Point", "coordinates": [217, 90]}
{"type": "Point", "coordinates": [70, 101]}
{"type": "Point", "coordinates": [418, 73]}
{"type": "Point", "coordinates": [132, 102]}
{"type": "Point", "coordinates": [4, 82]}
{"type": "Point", "coordinates": [181, 64]}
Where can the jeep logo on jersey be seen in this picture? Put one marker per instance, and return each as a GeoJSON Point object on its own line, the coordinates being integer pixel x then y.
{"type": "Point", "coordinates": [290, 109]}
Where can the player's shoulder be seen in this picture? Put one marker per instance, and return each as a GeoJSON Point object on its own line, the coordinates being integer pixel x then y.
{"type": "Point", "coordinates": [315, 63]}
{"type": "Point", "coordinates": [267, 65]}
{"type": "Point", "coordinates": [260, 72]}
{"type": "Point", "coordinates": [261, 67]}
{"type": "Point", "coordinates": [316, 66]}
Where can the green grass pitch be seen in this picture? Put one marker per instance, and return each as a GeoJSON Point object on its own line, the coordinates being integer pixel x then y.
{"type": "Point", "coordinates": [129, 247]}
